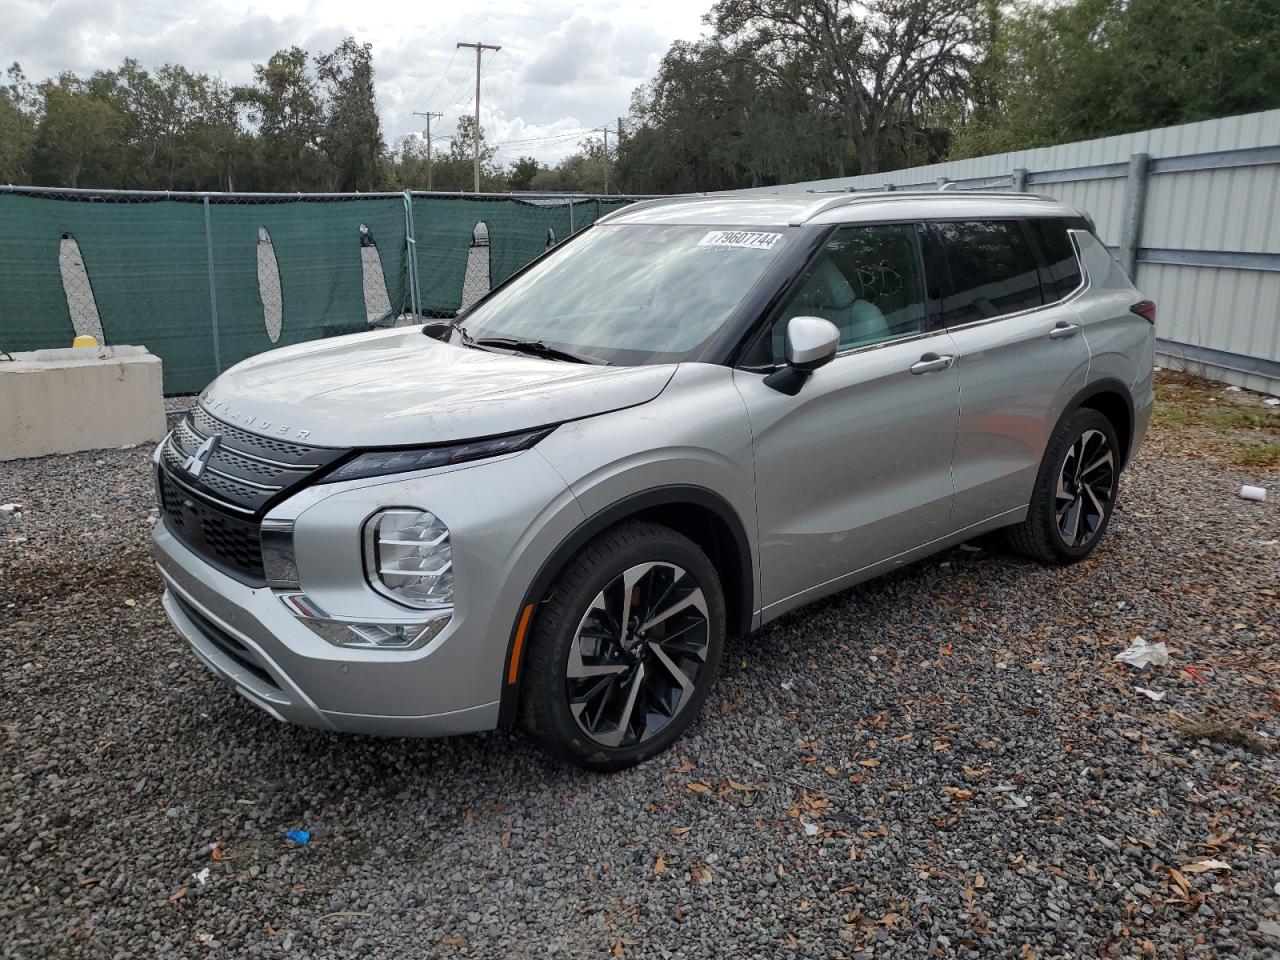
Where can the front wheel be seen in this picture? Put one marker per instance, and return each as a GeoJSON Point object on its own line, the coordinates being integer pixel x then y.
{"type": "Point", "coordinates": [625, 648]}
{"type": "Point", "coordinates": [1075, 491]}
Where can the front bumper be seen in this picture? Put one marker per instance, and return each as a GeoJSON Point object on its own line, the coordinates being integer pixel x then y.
{"type": "Point", "coordinates": [455, 684]}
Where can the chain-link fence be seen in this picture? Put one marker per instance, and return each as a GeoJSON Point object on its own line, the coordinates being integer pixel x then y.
{"type": "Point", "coordinates": [205, 280]}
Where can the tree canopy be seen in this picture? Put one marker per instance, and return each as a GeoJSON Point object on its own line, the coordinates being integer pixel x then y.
{"type": "Point", "coordinates": [774, 91]}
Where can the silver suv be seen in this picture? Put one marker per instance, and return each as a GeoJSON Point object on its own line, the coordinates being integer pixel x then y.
{"type": "Point", "coordinates": [676, 426]}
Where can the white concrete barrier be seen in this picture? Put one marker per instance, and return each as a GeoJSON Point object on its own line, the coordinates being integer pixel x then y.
{"type": "Point", "coordinates": [86, 398]}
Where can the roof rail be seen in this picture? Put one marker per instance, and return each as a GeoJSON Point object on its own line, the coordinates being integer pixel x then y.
{"type": "Point", "coordinates": [648, 204]}
{"type": "Point", "coordinates": [884, 196]}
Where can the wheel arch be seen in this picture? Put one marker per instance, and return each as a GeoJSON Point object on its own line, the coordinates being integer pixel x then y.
{"type": "Point", "coordinates": [698, 513]}
{"type": "Point", "coordinates": [1114, 400]}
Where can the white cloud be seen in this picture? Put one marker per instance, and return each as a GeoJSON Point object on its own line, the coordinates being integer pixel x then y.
{"type": "Point", "coordinates": [562, 67]}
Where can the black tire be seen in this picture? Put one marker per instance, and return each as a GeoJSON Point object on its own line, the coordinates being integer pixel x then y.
{"type": "Point", "coordinates": [1041, 536]}
{"type": "Point", "coordinates": [596, 572]}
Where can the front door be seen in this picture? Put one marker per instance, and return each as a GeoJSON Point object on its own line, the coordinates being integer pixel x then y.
{"type": "Point", "coordinates": [856, 467]}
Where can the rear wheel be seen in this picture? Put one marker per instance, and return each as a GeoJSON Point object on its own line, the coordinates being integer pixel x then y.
{"type": "Point", "coordinates": [1075, 491]}
{"type": "Point", "coordinates": [625, 648]}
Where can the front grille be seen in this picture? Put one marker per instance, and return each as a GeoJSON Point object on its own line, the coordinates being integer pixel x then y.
{"type": "Point", "coordinates": [217, 513]}
{"type": "Point", "coordinates": [228, 542]}
{"type": "Point", "coordinates": [245, 471]}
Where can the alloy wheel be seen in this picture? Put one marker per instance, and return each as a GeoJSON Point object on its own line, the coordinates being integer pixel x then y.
{"type": "Point", "coordinates": [638, 652]}
{"type": "Point", "coordinates": [1086, 484]}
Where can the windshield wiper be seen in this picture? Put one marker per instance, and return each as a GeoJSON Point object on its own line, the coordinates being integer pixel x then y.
{"type": "Point", "coordinates": [537, 348]}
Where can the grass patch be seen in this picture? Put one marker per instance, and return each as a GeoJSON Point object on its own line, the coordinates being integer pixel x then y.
{"type": "Point", "coordinates": [1199, 416]}
{"type": "Point", "coordinates": [1264, 455]}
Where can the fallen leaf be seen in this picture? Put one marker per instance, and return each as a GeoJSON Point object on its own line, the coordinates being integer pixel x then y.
{"type": "Point", "coordinates": [178, 894]}
{"type": "Point", "coordinates": [958, 793]}
{"type": "Point", "coordinates": [1205, 866]}
{"type": "Point", "coordinates": [868, 763]}
{"type": "Point", "coordinates": [685, 767]}
{"type": "Point", "coordinates": [680, 831]}
{"type": "Point", "coordinates": [660, 864]}
{"type": "Point", "coordinates": [697, 787]}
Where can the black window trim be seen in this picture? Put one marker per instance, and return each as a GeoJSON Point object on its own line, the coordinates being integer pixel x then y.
{"type": "Point", "coordinates": [750, 355]}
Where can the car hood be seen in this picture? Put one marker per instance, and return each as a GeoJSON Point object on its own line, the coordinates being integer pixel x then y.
{"type": "Point", "coordinates": [397, 387]}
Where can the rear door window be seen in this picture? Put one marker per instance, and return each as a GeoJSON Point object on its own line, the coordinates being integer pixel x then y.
{"type": "Point", "coordinates": [1060, 256]}
{"type": "Point", "coordinates": [992, 270]}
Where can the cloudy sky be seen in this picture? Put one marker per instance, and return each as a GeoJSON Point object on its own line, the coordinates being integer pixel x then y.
{"type": "Point", "coordinates": [563, 67]}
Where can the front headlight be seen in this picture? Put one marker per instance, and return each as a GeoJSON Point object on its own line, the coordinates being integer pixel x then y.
{"type": "Point", "coordinates": [382, 462]}
{"type": "Point", "coordinates": [407, 557]}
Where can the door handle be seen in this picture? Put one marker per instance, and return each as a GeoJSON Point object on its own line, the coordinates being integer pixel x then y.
{"type": "Point", "coordinates": [1061, 330]}
{"type": "Point", "coordinates": [931, 362]}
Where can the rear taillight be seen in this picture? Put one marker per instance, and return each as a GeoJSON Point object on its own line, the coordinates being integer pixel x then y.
{"type": "Point", "coordinates": [1146, 309]}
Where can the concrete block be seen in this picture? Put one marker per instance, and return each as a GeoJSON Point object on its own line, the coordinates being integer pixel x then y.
{"type": "Point", "coordinates": [87, 398]}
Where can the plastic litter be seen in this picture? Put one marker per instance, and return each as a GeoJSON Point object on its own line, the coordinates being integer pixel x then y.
{"type": "Point", "coordinates": [810, 829]}
{"type": "Point", "coordinates": [1272, 401]}
{"type": "Point", "coordinates": [202, 877]}
{"type": "Point", "coordinates": [1140, 653]}
{"type": "Point", "coordinates": [300, 837]}
{"type": "Point", "coordinates": [1156, 695]}
{"type": "Point", "coordinates": [1253, 493]}
{"type": "Point", "coordinates": [10, 507]}
{"type": "Point", "coordinates": [1233, 389]}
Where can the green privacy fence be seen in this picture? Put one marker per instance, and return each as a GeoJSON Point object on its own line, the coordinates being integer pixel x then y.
{"type": "Point", "coordinates": [206, 280]}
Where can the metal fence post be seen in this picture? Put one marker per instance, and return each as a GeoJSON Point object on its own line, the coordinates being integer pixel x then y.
{"type": "Point", "coordinates": [213, 288]}
{"type": "Point", "coordinates": [1135, 201]}
{"type": "Point", "coordinates": [571, 216]}
{"type": "Point", "coordinates": [1020, 179]}
{"type": "Point", "coordinates": [411, 251]}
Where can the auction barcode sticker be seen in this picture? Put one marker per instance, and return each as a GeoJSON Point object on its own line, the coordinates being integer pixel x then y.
{"type": "Point", "coordinates": [750, 239]}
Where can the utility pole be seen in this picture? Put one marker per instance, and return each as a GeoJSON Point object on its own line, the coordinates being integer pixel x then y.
{"type": "Point", "coordinates": [605, 132]}
{"type": "Point", "coordinates": [428, 115]}
{"type": "Point", "coordinates": [479, 48]}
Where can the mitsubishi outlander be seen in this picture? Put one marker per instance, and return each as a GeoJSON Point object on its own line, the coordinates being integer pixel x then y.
{"type": "Point", "coordinates": [679, 424]}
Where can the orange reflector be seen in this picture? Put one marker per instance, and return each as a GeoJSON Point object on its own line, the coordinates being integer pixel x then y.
{"type": "Point", "coordinates": [513, 671]}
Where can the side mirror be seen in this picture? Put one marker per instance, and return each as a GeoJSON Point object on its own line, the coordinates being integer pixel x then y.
{"type": "Point", "coordinates": [438, 329]}
{"type": "Point", "coordinates": [811, 342]}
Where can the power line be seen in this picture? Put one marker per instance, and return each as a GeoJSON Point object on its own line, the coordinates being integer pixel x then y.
{"type": "Point", "coordinates": [442, 77]}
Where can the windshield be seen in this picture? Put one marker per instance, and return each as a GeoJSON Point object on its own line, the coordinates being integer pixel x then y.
{"type": "Point", "coordinates": [631, 293]}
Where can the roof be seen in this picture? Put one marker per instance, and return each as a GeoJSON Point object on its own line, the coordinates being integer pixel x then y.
{"type": "Point", "coordinates": [798, 209]}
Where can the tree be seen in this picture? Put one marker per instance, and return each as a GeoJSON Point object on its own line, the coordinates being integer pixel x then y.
{"type": "Point", "coordinates": [588, 170]}
{"type": "Point", "coordinates": [17, 126]}
{"type": "Point", "coordinates": [352, 133]}
{"type": "Point", "coordinates": [77, 136]}
{"type": "Point", "coordinates": [1093, 68]}
{"type": "Point", "coordinates": [285, 106]}
{"type": "Point", "coordinates": [872, 63]}
{"type": "Point", "coordinates": [522, 172]}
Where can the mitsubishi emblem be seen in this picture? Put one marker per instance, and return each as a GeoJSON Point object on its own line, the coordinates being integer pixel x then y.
{"type": "Point", "coordinates": [200, 459]}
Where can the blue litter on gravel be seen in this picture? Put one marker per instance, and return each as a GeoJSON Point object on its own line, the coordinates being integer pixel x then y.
{"type": "Point", "coordinates": [301, 837]}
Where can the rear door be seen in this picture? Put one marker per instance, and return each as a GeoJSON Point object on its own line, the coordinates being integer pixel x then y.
{"type": "Point", "coordinates": [856, 467]}
{"type": "Point", "coordinates": [1021, 354]}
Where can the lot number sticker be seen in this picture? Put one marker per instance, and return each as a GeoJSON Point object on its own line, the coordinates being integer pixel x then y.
{"type": "Point", "coordinates": [750, 239]}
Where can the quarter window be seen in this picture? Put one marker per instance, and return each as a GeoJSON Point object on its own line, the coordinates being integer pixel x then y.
{"type": "Point", "coordinates": [1059, 254]}
{"type": "Point", "coordinates": [867, 282]}
{"type": "Point", "coordinates": [993, 271]}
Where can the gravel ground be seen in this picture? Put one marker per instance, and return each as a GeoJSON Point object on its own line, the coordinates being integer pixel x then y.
{"type": "Point", "coordinates": [945, 762]}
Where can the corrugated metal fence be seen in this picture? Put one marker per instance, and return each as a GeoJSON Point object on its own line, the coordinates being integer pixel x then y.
{"type": "Point", "coordinates": [1192, 212]}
